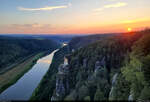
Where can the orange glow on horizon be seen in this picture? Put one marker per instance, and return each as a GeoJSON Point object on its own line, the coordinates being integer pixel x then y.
{"type": "Point", "coordinates": [129, 29]}
{"type": "Point", "coordinates": [83, 28]}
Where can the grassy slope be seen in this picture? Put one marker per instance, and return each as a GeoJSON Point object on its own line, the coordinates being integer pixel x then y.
{"type": "Point", "coordinates": [18, 71]}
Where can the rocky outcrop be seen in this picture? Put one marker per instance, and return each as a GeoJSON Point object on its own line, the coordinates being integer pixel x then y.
{"type": "Point", "coordinates": [60, 89]}
{"type": "Point", "coordinates": [62, 81]}
{"type": "Point", "coordinates": [53, 98]}
{"type": "Point", "coordinates": [130, 97]}
{"type": "Point", "coordinates": [63, 69]}
{"type": "Point", "coordinates": [113, 85]}
{"type": "Point", "coordinates": [85, 63]}
{"type": "Point", "coordinates": [100, 64]}
{"type": "Point", "coordinates": [73, 50]}
{"type": "Point", "coordinates": [97, 65]}
{"type": "Point", "coordinates": [114, 79]}
{"type": "Point", "coordinates": [62, 86]}
{"type": "Point", "coordinates": [66, 60]}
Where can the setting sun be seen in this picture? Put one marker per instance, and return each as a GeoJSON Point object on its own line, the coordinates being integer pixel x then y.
{"type": "Point", "coordinates": [129, 29]}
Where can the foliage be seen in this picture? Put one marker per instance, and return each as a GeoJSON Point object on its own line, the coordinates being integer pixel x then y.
{"type": "Point", "coordinates": [127, 55]}
{"type": "Point", "coordinates": [13, 49]}
{"type": "Point", "coordinates": [17, 72]}
{"type": "Point", "coordinates": [121, 90]}
{"type": "Point", "coordinates": [45, 89]}
{"type": "Point", "coordinates": [99, 95]}
{"type": "Point", "coordinates": [137, 70]}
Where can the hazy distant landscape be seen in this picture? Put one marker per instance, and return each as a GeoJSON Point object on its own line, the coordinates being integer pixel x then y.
{"type": "Point", "coordinates": [74, 50]}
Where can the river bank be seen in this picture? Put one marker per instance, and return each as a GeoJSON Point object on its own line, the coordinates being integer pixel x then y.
{"type": "Point", "coordinates": [16, 63]}
{"type": "Point", "coordinates": [27, 83]}
{"type": "Point", "coordinates": [9, 78]}
{"type": "Point", "coordinates": [47, 85]}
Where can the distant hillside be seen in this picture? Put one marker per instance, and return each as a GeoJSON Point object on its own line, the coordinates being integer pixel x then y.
{"type": "Point", "coordinates": [81, 41]}
{"type": "Point", "coordinates": [109, 68]}
{"type": "Point", "coordinates": [58, 38]}
{"type": "Point", "coordinates": [46, 87]}
{"type": "Point", "coordinates": [13, 49]}
{"type": "Point", "coordinates": [116, 68]}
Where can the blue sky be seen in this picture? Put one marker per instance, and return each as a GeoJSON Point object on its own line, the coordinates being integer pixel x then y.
{"type": "Point", "coordinates": [72, 16]}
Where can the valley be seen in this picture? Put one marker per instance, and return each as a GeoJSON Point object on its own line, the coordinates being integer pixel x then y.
{"type": "Point", "coordinates": [91, 67]}
{"type": "Point", "coordinates": [75, 50]}
{"type": "Point", "coordinates": [25, 85]}
{"type": "Point", "coordinates": [101, 70]}
{"type": "Point", "coordinates": [17, 72]}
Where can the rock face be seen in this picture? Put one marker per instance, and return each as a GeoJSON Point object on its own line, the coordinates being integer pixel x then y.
{"type": "Point", "coordinates": [62, 81]}
{"type": "Point", "coordinates": [114, 79]}
{"type": "Point", "coordinates": [100, 64]}
{"type": "Point", "coordinates": [63, 69]}
{"type": "Point", "coordinates": [66, 60]}
{"type": "Point", "coordinates": [97, 65]}
{"type": "Point", "coordinates": [73, 50]}
{"type": "Point", "coordinates": [85, 63]}
{"type": "Point", "coordinates": [130, 97]}
{"type": "Point", "coordinates": [113, 85]}
{"type": "Point", "coordinates": [62, 86]}
{"type": "Point", "coordinates": [60, 89]}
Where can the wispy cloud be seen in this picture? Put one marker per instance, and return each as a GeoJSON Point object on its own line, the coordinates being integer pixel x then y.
{"type": "Point", "coordinates": [46, 8]}
{"type": "Point", "coordinates": [31, 28]}
{"type": "Point", "coordinates": [34, 25]}
{"type": "Point", "coordinates": [120, 4]}
{"type": "Point", "coordinates": [112, 0]}
{"type": "Point", "coordinates": [134, 20]}
{"type": "Point", "coordinates": [116, 5]}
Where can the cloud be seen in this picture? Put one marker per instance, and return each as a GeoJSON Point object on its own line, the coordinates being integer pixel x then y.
{"type": "Point", "coordinates": [47, 8]}
{"type": "Point", "coordinates": [112, 0]}
{"type": "Point", "coordinates": [134, 21]}
{"type": "Point", "coordinates": [120, 4]}
{"type": "Point", "coordinates": [116, 5]}
{"type": "Point", "coordinates": [34, 25]}
{"type": "Point", "coordinates": [31, 28]}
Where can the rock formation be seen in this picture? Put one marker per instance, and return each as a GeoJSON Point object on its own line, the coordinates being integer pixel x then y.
{"type": "Point", "coordinates": [100, 64]}
{"type": "Point", "coordinates": [62, 81]}
{"type": "Point", "coordinates": [113, 85]}
{"type": "Point", "coordinates": [85, 63]}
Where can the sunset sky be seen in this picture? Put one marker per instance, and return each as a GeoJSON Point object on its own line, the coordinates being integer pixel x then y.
{"type": "Point", "coordinates": [73, 16]}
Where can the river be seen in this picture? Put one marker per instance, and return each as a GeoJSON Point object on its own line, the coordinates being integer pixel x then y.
{"type": "Point", "coordinates": [24, 87]}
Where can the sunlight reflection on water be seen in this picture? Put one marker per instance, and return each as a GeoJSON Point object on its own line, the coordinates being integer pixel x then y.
{"type": "Point", "coordinates": [24, 87]}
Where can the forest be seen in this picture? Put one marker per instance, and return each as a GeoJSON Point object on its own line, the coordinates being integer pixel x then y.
{"type": "Point", "coordinates": [14, 49]}
{"type": "Point", "coordinates": [112, 68]}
